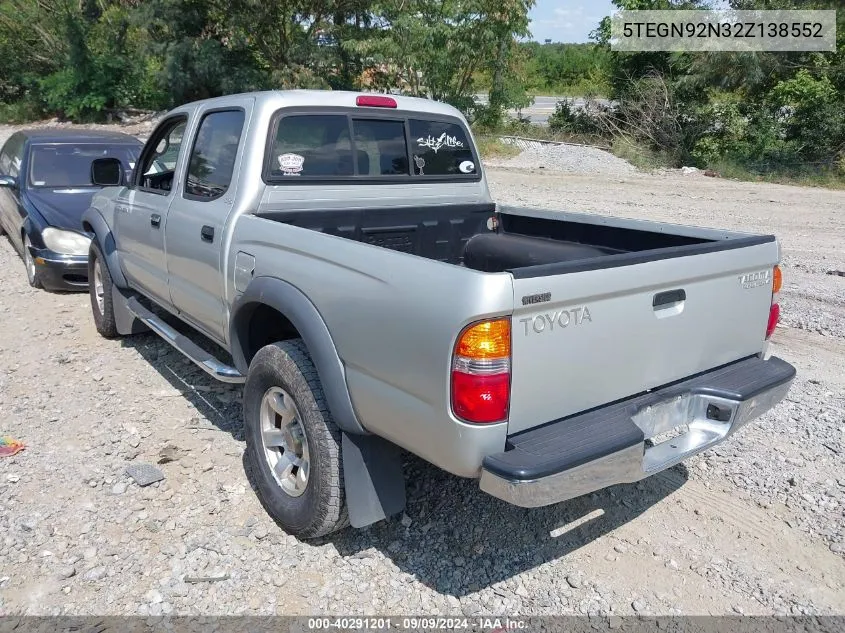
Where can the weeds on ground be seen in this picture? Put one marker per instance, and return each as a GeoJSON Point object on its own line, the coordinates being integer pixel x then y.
{"type": "Point", "coordinates": [639, 155]}
{"type": "Point", "coordinates": [493, 147]}
{"type": "Point", "coordinates": [827, 178]}
{"type": "Point", "coordinates": [19, 112]}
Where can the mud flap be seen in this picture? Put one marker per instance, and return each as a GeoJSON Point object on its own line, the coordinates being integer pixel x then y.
{"type": "Point", "coordinates": [373, 478]}
{"type": "Point", "coordinates": [126, 322]}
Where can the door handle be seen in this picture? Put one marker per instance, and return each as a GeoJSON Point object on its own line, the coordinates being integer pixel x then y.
{"type": "Point", "coordinates": [662, 299]}
{"type": "Point", "coordinates": [155, 220]}
{"type": "Point", "coordinates": [207, 233]}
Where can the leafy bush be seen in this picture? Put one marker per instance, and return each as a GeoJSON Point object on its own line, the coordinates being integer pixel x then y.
{"type": "Point", "coordinates": [570, 118]}
{"type": "Point", "coordinates": [813, 116]}
{"type": "Point", "coordinates": [799, 124]}
{"type": "Point", "coordinates": [23, 110]}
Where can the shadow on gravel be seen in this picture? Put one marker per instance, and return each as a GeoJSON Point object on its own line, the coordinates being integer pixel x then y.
{"type": "Point", "coordinates": [455, 538]}
{"type": "Point", "coordinates": [461, 540]}
{"type": "Point", "coordinates": [216, 402]}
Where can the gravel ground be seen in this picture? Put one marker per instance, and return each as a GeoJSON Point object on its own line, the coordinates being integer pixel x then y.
{"type": "Point", "coordinates": [569, 159]}
{"type": "Point", "coordinates": [754, 526]}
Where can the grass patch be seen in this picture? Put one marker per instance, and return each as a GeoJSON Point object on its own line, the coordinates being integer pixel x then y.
{"type": "Point", "coordinates": [586, 88]}
{"type": "Point", "coordinates": [647, 159]}
{"type": "Point", "coordinates": [638, 155]}
{"type": "Point", "coordinates": [827, 178]}
{"type": "Point", "coordinates": [492, 147]}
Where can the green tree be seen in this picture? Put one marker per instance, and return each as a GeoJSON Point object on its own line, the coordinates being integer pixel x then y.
{"type": "Point", "coordinates": [506, 22]}
{"type": "Point", "coordinates": [434, 48]}
{"type": "Point", "coordinates": [31, 45]}
{"type": "Point", "coordinates": [195, 51]}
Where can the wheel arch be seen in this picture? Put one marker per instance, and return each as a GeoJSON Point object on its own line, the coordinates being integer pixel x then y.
{"type": "Point", "coordinates": [94, 222]}
{"type": "Point", "coordinates": [271, 308]}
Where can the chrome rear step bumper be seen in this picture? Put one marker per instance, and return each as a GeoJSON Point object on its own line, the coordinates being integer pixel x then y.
{"type": "Point", "coordinates": [634, 438]}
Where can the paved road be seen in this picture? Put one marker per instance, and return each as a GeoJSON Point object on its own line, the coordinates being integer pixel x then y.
{"type": "Point", "coordinates": [543, 107]}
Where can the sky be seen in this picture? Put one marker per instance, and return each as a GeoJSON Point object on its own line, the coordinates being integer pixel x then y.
{"type": "Point", "coordinates": [567, 20]}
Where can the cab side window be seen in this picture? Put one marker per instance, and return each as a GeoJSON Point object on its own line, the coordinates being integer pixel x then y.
{"type": "Point", "coordinates": [212, 160]}
{"type": "Point", "coordinates": [158, 162]}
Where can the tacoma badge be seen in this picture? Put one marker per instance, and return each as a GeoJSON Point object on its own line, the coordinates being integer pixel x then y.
{"type": "Point", "coordinates": [752, 280]}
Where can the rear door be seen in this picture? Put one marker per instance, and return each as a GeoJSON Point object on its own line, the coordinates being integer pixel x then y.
{"type": "Point", "coordinates": [197, 219]}
{"type": "Point", "coordinates": [140, 212]}
{"type": "Point", "coordinates": [584, 339]}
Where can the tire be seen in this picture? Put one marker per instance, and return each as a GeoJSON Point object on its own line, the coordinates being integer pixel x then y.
{"type": "Point", "coordinates": [300, 484]}
{"type": "Point", "coordinates": [33, 275]}
{"type": "Point", "coordinates": [100, 292]}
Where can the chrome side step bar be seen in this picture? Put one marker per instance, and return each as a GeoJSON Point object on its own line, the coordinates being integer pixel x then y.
{"type": "Point", "coordinates": [204, 360]}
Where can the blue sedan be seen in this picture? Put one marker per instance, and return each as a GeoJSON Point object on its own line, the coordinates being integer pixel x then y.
{"type": "Point", "coordinates": [45, 186]}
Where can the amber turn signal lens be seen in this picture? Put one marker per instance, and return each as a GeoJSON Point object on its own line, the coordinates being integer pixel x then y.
{"type": "Point", "coordinates": [490, 339]}
{"type": "Point", "coordinates": [777, 280]}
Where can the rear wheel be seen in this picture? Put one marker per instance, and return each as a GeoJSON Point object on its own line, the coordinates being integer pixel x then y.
{"type": "Point", "coordinates": [100, 289]}
{"type": "Point", "coordinates": [32, 274]}
{"type": "Point", "coordinates": [293, 446]}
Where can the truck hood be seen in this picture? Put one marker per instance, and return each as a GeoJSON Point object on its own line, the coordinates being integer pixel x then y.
{"type": "Point", "coordinates": [62, 208]}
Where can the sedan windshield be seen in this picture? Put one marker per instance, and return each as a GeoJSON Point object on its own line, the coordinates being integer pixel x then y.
{"type": "Point", "coordinates": [70, 165]}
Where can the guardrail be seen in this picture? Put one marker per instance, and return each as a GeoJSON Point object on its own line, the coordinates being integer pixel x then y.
{"type": "Point", "coordinates": [524, 143]}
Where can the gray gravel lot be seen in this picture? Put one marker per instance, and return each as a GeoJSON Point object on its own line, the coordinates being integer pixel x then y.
{"type": "Point", "coordinates": [754, 526]}
{"type": "Point", "coordinates": [569, 159]}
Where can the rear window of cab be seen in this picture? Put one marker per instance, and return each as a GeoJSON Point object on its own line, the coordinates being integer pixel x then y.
{"type": "Point", "coordinates": [363, 146]}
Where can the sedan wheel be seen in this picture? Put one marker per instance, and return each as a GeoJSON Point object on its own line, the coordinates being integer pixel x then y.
{"type": "Point", "coordinates": [29, 262]}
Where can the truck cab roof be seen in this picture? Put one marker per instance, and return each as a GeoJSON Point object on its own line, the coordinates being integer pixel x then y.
{"type": "Point", "coordinates": [275, 99]}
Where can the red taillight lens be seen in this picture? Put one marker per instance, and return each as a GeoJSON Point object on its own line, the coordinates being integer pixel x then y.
{"type": "Point", "coordinates": [774, 311]}
{"type": "Point", "coordinates": [774, 315]}
{"type": "Point", "coordinates": [481, 372]}
{"type": "Point", "coordinates": [375, 101]}
{"type": "Point", "coordinates": [480, 399]}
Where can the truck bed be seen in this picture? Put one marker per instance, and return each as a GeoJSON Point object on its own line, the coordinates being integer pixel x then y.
{"type": "Point", "coordinates": [524, 242]}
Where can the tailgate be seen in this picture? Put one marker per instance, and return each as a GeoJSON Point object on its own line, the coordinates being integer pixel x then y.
{"type": "Point", "coordinates": [585, 339]}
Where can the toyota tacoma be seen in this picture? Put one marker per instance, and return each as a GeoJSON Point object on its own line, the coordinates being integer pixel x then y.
{"type": "Point", "coordinates": [340, 255]}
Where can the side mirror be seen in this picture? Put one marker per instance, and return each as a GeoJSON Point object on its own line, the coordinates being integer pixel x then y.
{"type": "Point", "coordinates": [8, 181]}
{"type": "Point", "coordinates": [106, 172]}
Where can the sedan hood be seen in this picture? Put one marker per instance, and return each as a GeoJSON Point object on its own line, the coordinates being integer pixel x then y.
{"type": "Point", "coordinates": [62, 208]}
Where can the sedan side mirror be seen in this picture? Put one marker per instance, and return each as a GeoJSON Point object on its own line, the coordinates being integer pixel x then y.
{"type": "Point", "coordinates": [106, 172]}
{"type": "Point", "coordinates": [8, 181]}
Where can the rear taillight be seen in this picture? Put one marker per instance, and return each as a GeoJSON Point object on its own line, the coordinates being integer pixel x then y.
{"type": "Point", "coordinates": [481, 372]}
{"type": "Point", "coordinates": [774, 310]}
{"type": "Point", "coordinates": [774, 315]}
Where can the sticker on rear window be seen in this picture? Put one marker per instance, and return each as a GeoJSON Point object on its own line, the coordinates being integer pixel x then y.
{"type": "Point", "coordinates": [466, 167]}
{"type": "Point", "coordinates": [434, 144]}
{"type": "Point", "coordinates": [419, 161]}
{"type": "Point", "coordinates": [291, 164]}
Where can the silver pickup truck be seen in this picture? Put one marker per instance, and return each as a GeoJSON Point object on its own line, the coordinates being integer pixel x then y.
{"type": "Point", "coordinates": [343, 254]}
